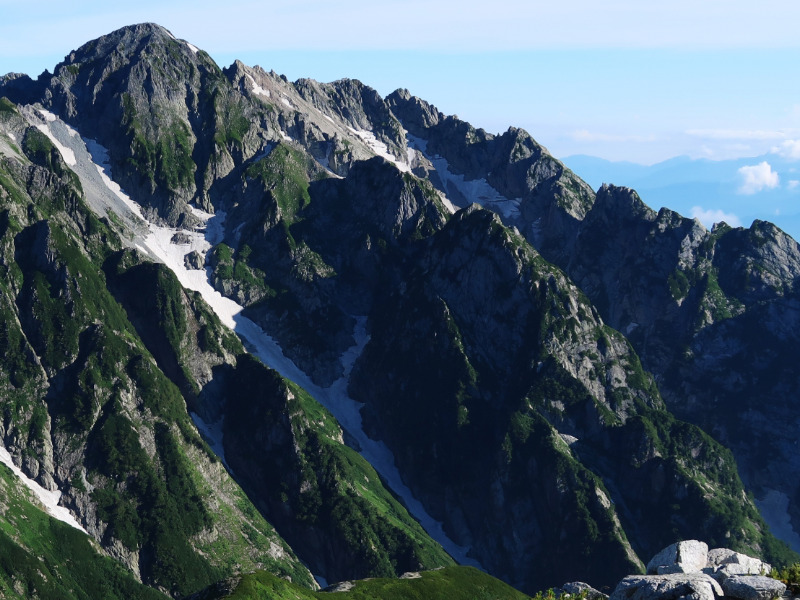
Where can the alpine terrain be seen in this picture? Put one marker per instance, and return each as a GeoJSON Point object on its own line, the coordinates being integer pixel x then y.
{"type": "Point", "coordinates": [283, 334]}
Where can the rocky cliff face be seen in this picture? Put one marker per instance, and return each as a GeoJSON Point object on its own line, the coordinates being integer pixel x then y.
{"type": "Point", "coordinates": [87, 409]}
{"type": "Point", "coordinates": [494, 365]}
{"type": "Point", "coordinates": [688, 299]}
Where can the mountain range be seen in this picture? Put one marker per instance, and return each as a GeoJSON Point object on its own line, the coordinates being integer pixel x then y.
{"type": "Point", "coordinates": [737, 191]}
{"type": "Point", "coordinates": [297, 333]}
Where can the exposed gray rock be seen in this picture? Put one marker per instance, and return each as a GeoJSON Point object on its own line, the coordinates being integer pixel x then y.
{"type": "Point", "coordinates": [725, 571]}
{"type": "Point", "coordinates": [689, 556]}
{"type": "Point", "coordinates": [650, 279]}
{"type": "Point", "coordinates": [193, 260]}
{"type": "Point", "coordinates": [723, 558]}
{"type": "Point", "coordinates": [342, 586]}
{"type": "Point", "coordinates": [724, 563]}
{"type": "Point", "coordinates": [180, 238]}
{"type": "Point", "coordinates": [753, 587]}
{"type": "Point", "coordinates": [694, 586]}
{"type": "Point", "coordinates": [579, 587]}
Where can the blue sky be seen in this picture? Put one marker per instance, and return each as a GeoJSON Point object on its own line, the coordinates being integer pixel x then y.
{"type": "Point", "coordinates": [622, 80]}
{"type": "Point", "coordinates": [639, 81]}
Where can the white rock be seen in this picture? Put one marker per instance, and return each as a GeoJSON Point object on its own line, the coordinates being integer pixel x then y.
{"type": "Point", "coordinates": [690, 556]}
{"type": "Point", "coordinates": [753, 587]}
{"type": "Point", "coordinates": [674, 586]}
{"type": "Point", "coordinates": [728, 562]}
{"type": "Point", "coordinates": [579, 587]}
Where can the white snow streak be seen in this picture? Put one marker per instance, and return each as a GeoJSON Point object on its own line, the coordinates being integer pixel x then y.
{"type": "Point", "coordinates": [158, 243]}
{"type": "Point", "coordinates": [380, 148]}
{"type": "Point", "coordinates": [46, 497]}
{"type": "Point", "coordinates": [47, 115]}
{"type": "Point", "coordinates": [463, 192]}
{"type": "Point", "coordinates": [335, 398]}
{"type": "Point", "coordinates": [348, 412]}
{"type": "Point", "coordinates": [67, 154]}
{"type": "Point", "coordinates": [285, 100]}
{"type": "Point", "coordinates": [193, 48]}
{"type": "Point", "coordinates": [257, 89]}
{"type": "Point", "coordinates": [100, 157]}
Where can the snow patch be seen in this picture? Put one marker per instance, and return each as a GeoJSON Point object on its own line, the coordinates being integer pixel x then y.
{"type": "Point", "coordinates": [285, 100]}
{"type": "Point", "coordinates": [774, 507]}
{"type": "Point", "coordinates": [193, 48]}
{"type": "Point", "coordinates": [335, 398]}
{"type": "Point", "coordinates": [46, 497]}
{"type": "Point", "coordinates": [257, 89]}
{"type": "Point", "coordinates": [47, 115]}
{"type": "Point", "coordinates": [463, 192]}
{"type": "Point", "coordinates": [67, 154]}
{"type": "Point", "coordinates": [348, 412]}
{"type": "Point", "coordinates": [101, 162]}
{"type": "Point", "coordinates": [286, 137]}
{"type": "Point", "coordinates": [379, 148]}
{"type": "Point", "coordinates": [158, 243]}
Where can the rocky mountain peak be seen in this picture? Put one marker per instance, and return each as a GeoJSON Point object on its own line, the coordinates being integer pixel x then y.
{"type": "Point", "coordinates": [126, 40]}
{"type": "Point", "coordinates": [416, 115]}
{"type": "Point", "coordinates": [622, 203]}
{"type": "Point", "coordinates": [484, 360]}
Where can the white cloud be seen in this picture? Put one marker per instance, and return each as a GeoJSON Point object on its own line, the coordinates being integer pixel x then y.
{"type": "Point", "coordinates": [758, 177]}
{"type": "Point", "coordinates": [788, 149]}
{"type": "Point", "coordinates": [736, 134]}
{"type": "Point", "coordinates": [793, 184]}
{"type": "Point", "coordinates": [709, 217]}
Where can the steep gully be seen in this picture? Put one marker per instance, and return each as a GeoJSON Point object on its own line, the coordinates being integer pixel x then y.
{"type": "Point", "coordinates": [90, 161]}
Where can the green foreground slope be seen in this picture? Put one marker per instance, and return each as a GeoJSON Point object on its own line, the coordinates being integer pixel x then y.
{"type": "Point", "coordinates": [449, 583]}
{"type": "Point", "coordinates": [41, 557]}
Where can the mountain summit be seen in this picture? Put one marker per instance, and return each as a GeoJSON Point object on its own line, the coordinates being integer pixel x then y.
{"type": "Point", "coordinates": [249, 324]}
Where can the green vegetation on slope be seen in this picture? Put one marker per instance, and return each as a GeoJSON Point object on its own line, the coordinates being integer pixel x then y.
{"type": "Point", "coordinates": [314, 487]}
{"type": "Point", "coordinates": [164, 156]}
{"type": "Point", "coordinates": [41, 557]}
{"type": "Point", "coordinates": [284, 172]}
{"type": "Point", "coordinates": [96, 395]}
{"type": "Point", "coordinates": [449, 583]}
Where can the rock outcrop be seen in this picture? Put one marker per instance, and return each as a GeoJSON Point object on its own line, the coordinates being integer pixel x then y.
{"type": "Point", "coordinates": [683, 557]}
{"type": "Point", "coordinates": [752, 587]}
{"type": "Point", "coordinates": [689, 569]}
{"type": "Point", "coordinates": [712, 314]}
{"type": "Point", "coordinates": [697, 586]}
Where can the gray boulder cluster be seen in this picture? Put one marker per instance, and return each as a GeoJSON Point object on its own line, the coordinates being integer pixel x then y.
{"type": "Point", "coordinates": [689, 569]}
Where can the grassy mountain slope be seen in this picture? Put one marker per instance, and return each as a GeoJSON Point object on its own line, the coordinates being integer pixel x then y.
{"type": "Point", "coordinates": [41, 557]}
{"type": "Point", "coordinates": [88, 410]}
{"type": "Point", "coordinates": [453, 583]}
